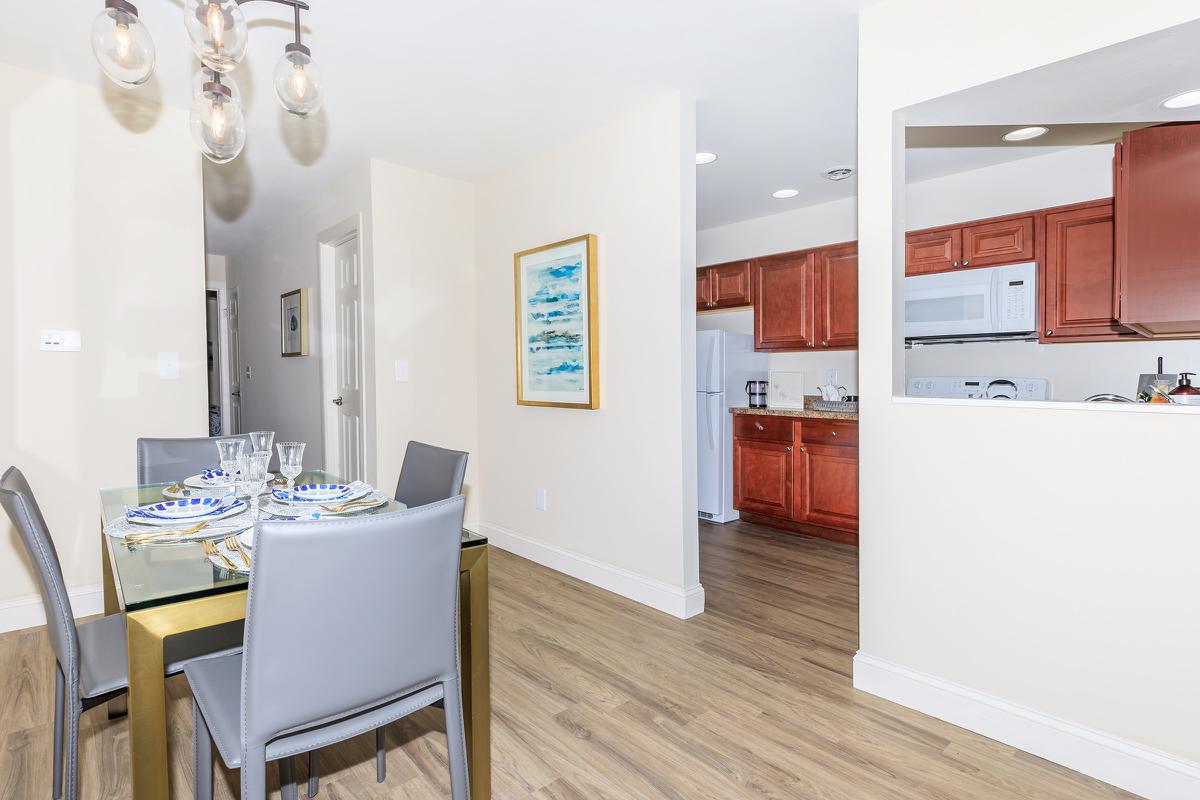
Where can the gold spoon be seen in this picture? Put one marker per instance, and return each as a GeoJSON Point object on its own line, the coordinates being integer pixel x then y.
{"type": "Point", "coordinates": [141, 538]}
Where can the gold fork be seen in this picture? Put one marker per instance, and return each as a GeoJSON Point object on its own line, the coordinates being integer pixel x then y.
{"type": "Point", "coordinates": [210, 549]}
{"type": "Point", "coordinates": [142, 538]}
{"type": "Point", "coordinates": [234, 544]}
{"type": "Point", "coordinates": [338, 509]}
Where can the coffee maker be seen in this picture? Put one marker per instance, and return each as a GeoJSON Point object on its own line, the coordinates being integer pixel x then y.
{"type": "Point", "coordinates": [756, 394]}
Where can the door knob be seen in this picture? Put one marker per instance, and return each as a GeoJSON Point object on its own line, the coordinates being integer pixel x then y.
{"type": "Point", "coordinates": [337, 401]}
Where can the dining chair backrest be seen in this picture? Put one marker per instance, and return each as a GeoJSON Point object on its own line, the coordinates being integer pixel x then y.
{"type": "Point", "coordinates": [164, 460]}
{"type": "Point", "coordinates": [430, 474]}
{"type": "Point", "coordinates": [18, 501]}
{"type": "Point", "coordinates": [347, 614]}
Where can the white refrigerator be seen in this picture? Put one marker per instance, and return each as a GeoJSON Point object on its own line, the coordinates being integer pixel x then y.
{"type": "Point", "coordinates": [724, 362]}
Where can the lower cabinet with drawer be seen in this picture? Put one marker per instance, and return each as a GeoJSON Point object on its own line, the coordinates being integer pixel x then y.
{"type": "Point", "coordinates": [797, 474]}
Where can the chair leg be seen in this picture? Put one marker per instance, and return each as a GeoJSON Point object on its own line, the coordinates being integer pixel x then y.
{"type": "Point", "coordinates": [60, 691]}
{"type": "Point", "coordinates": [254, 773]}
{"type": "Point", "coordinates": [202, 757]}
{"type": "Point", "coordinates": [287, 779]}
{"type": "Point", "coordinates": [380, 757]}
{"type": "Point", "coordinates": [314, 779]}
{"type": "Point", "coordinates": [74, 708]}
{"type": "Point", "coordinates": [456, 744]}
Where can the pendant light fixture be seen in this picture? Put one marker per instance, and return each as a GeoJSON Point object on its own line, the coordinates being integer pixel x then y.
{"type": "Point", "coordinates": [122, 44]}
{"type": "Point", "coordinates": [219, 36]}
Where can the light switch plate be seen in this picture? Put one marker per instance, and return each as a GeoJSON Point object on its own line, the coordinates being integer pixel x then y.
{"type": "Point", "coordinates": [168, 366]}
{"type": "Point", "coordinates": [401, 372]}
{"type": "Point", "coordinates": [539, 499]}
{"type": "Point", "coordinates": [61, 341]}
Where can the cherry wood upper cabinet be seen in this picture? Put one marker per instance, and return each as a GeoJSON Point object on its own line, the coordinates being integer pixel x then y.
{"type": "Point", "coordinates": [762, 477]}
{"type": "Point", "coordinates": [1158, 235]}
{"type": "Point", "coordinates": [783, 309]}
{"type": "Point", "coordinates": [837, 296]}
{"type": "Point", "coordinates": [932, 251]}
{"type": "Point", "coordinates": [1080, 296]}
{"type": "Point", "coordinates": [1006, 241]}
{"type": "Point", "coordinates": [731, 285]}
{"type": "Point", "coordinates": [704, 289]}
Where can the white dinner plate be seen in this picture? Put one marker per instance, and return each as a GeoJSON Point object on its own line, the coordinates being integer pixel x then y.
{"type": "Point", "coordinates": [213, 479]}
{"type": "Point", "coordinates": [185, 512]}
{"type": "Point", "coordinates": [322, 493]}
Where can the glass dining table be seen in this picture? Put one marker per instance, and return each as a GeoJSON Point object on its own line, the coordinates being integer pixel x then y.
{"type": "Point", "coordinates": [168, 589]}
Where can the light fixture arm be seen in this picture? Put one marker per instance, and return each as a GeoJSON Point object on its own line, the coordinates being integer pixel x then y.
{"type": "Point", "coordinates": [297, 7]}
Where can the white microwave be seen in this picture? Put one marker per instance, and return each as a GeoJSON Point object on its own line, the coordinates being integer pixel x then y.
{"type": "Point", "coordinates": [972, 304]}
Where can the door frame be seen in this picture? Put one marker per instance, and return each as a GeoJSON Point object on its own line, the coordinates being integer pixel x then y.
{"type": "Point", "coordinates": [328, 241]}
{"type": "Point", "coordinates": [223, 348]}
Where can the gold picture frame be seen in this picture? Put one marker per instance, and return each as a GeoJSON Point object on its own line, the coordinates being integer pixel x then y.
{"type": "Point", "coordinates": [293, 323]}
{"type": "Point", "coordinates": [556, 295]}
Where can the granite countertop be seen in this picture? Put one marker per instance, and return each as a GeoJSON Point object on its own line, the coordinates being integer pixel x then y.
{"type": "Point", "coordinates": [805, 413]}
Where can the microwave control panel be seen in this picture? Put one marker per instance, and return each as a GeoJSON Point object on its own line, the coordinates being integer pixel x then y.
{"type": "Point", "coordinates": [970, 387]}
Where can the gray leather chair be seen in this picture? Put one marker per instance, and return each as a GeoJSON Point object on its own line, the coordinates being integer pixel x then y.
{"type": "Point", "coordinates": [282, 696]}
{"type": "Point", "coordinates": [166, 460]}
{"type": "Point", "coordinates": [430, 474]}
{"type": "Point", "coordinates": [90, 660]}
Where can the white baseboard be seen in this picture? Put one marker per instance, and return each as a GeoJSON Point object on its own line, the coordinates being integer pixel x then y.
{"type": "Point", "coordinates": [682, 603]}
{"type": "Point", "coordinates": [27, 612]}
{"type": "Point", "coordinates": [1141, 770]}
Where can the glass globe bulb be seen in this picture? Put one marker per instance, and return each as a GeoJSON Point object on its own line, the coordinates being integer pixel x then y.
{"type": "Point", "coordinates": [209, 75]}
{"type": "Point", "coordinates": [217, 30]}
{"type": "Point", "coordinates": [218, 126]}
{"type": "Point", "coordinates": [122, 44]}
{"type": "Point", "coordinates": [298, 82]}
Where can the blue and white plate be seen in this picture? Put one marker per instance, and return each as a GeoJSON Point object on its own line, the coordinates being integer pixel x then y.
{"type": "Point", "coordinates": [187, 511]}
{"type": "Point", "coordinates": [213, 478]}
{"type": "Point", "coordinates": [322, 493]}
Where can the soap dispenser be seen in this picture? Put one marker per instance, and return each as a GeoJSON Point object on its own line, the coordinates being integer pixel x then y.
{"type": "Point", "coordinates": [1185, 392]}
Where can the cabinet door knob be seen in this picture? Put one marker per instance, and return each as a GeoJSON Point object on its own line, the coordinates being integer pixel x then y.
{"type": "Point", "coordinates": [833, 433]}
{"type": "Point", "coordinates": [788, 449]}
{"type": "Point", "coordinates": [824, 344]}
{"type": "Point", "coordinates": [1050, 333]}
{"type": "Point", "coordinates": [759, 426]}
{"type": "Point", "coordinates": [802, 450]}
{"type": "Point", "coordinates": [955, 264]}
{"type": "Point", "coordinates": [965, 262]}
{"type": "Point", "coordinates": [812, 344]}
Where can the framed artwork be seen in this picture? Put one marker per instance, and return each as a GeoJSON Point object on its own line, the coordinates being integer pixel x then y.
{"type": "Point", "coordinates": [293, 323]}
{"type": "Point", "coordinates": [558, 342]}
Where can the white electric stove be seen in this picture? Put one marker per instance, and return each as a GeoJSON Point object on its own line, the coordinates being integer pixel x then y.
{"type": "Point", "coordinates": [966, 387]}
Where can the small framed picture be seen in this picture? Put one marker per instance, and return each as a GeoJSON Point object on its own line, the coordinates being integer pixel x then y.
{"type": "Point", "coordinates": [558, 337]}
{"type": "Point", "coordinates": [293, 323]}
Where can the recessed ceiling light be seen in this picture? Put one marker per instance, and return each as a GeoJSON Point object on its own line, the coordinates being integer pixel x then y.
{"type": "Point", "coordinates": [839, 173]}
{"type": "Point", "coordinates": [705, 158]}
{"type": "Point", "coordinates": [784, 194]}
{"type": "Point", "coordinates": [1183, 100]}
{"type": "Point", "coordinates": [1024, 134]}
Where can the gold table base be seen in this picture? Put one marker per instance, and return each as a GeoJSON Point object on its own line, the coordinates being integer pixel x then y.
{"type": "Point", "coordinates": [147, 702]}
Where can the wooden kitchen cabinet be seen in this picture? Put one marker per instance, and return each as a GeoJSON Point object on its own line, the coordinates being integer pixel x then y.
{"type": "Point", "coordinates": [762, 477]}
{"type": "Point", "coordinates": [932, 251]}
{"type": "Point", "coordinates": [837, 296]}
{"type": "Point", "coordinates": [1004, 241]}
{"type": "Point", "coordinates": [784, 301]}
{"type": "Point", "coordinates": [724, 286]}
{"type": "Point", "coordinates": [1158, 237]}
{"type": "Point", "coordinates": [826, 486]}
{"type": "Point", "coordinates": [1080, 294]}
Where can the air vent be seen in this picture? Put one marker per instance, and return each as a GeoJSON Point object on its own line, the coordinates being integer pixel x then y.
{"type": "Point", "coordinates": [838, 173]}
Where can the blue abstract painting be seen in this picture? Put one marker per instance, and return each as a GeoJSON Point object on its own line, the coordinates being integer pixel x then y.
{"type": "Point", "coordinates": [554, 335]}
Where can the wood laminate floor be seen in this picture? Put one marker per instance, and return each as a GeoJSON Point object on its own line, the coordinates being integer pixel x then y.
{"type": "Point", "coordinates": [597, 698]}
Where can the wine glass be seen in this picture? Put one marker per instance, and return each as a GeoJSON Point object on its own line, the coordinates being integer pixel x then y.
{"type": "Point", "coordinates": [260, 441]}
{"type": "Point", "coordinates": [252, 478]}
{"type": "Point", "coordinates": [291, 459]}
{"type": "Point", "coordinates": [228, 453]}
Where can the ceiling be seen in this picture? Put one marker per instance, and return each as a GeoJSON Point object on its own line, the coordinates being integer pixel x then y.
{"type": "Point", "coordinates": [468, 88]}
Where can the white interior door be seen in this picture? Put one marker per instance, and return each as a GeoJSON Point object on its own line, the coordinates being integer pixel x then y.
{"type": "Point", "coordinates": [347, 340]}
{"type": "Point", "coordinates": [234, 423]}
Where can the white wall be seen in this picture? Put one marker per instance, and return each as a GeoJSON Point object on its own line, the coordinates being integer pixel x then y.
{"type": "Point", "coordinates": [284, 394]}
{"type": "Point", "coordinates": [1060, 178]}
{"type": "Point", "coordinates": [424, 250]}
{"type": "Point", "coordinates": [1026, 593]}
{"type": "Point", "coordinates": [620, 482]}
{"type": "Point", "coordinates": [103, 216]}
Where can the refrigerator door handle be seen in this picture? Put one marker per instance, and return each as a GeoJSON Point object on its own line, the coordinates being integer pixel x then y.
{"type": "Point", "coordinates": [712, 415]}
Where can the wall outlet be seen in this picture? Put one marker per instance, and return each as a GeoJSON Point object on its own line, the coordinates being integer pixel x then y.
{"type": "Point", "coordinates": [401, 372]}
{"type": "Point", "coordinates": [249, 373]}
{"type": "Point", "coordinates": [539, 499]}
{"type": "Point", "coordinates": [831, 377]}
